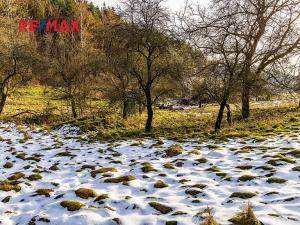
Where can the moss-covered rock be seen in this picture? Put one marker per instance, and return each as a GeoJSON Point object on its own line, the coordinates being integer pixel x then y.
{"type": "Point", "coordinates": [246, 178]}
{"type": "Point", "coordinates": [54, 168]}
{"type": "Point", "coordinates": [283, 158]}
{"type": "Point", "coordinates": [44, 191]}
{"type": "Point", "coordinates": [8, 165]}
{"type": "Point", "coordinates": [277, 180]}
{"type": "Point", "coordinates": [295, 153]}
{"type": "Point", "coordinates": [244, 167]}
{"type": "Point", "coordinates": [169, 166]}
{"type": "Point", "coordinates": [88, 167]}
{"type": "Point", "coordinates": [201, 160]}
{"type": "Point", "coordinates": [64, 154]}
{"type": "Point", "coordinates": [147, 167]}
{"type": "Point", "coordinates": [16, 176]}
{"type": "Point", "coordinates": [266, 167]}
{"type": "Point", "coordinates": [193, 192]}
{"type": "Point", "coordinates": [214, 169]}
{"type": "Point", "coordinates": [72, 205]}
{"type": "Point", "coordinates": [200, 186]}
{"type": "Point", "coordinates": [223, 175]}
{"type": "Point", "coordinates": [85, 193]}
{"type": "Point", "coordinates": [120, 179]}
{"type": "Point", "coordinates": [160, 207]}
{"type": "Point", "coordinates": [174, 150]}
{"type": "Point", "coordinates": [9, 186]}
{"type": "Point", "coordinates": [160, 184]}
{"type": "Point", "coordinates": [242, 195]}
{"type": "Point", "coordinates": [101, 197]}
{"type": "Point", "coordinates": [296, 168]}
{"type": "Point", "coordinates": [195, 152]}
{"type": "Point", "coordinates": [171, 223]}
{"type": "Point", "coordinates": [103, 170]}
{"type": "Point", "coordinates": [34, 177]}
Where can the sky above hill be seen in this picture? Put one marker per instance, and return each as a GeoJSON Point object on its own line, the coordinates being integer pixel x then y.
{"type": "Point", "coordinates": [174, 5]}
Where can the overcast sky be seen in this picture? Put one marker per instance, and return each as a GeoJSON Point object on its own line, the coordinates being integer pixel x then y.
{"type": "Point", "coordinates": [173, 4]}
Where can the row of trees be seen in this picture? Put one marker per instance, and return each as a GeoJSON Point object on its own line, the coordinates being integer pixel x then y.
{"type": "Point", "coordinates": [138, 54]}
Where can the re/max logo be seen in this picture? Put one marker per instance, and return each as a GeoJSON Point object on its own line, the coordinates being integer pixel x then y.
{"type": "Point", "coordinates": [48, 26]}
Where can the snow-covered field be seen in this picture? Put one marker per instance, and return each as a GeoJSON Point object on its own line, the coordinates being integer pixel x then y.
{"type": "Point", "coordinates": [194, 179]}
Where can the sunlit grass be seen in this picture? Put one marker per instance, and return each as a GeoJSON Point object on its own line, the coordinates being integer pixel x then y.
{"type": "Point", "coordinates": [104, 121]}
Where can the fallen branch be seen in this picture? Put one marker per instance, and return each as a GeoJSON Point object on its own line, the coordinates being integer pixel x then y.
{"type": "Point", "coordinates": [32, 112]}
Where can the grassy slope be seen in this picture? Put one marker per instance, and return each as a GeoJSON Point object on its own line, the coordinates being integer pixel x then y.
{"type": "Point", "coordinates": [266, 119]}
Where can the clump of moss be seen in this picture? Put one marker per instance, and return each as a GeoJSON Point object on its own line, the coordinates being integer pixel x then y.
{"type": "Point", "coordinates": [160, 207]}
{"type": "Point", "coordinates": [245, 217]}
{"type": "Point", "coordinates": [85, 193]}
{"type": "Point", "coordinates": [72, 205]}
{"type": "Point", "coordinates": [16, 176]}
{"type": "Point", "coordinates": [209, 220]}
{"type": "Point", "coordinates": [200, 186]}
{"type": "Point", "coordinates": [101, 197]}
{"type": "Point", "coordinates": [21, 156]}
{"type": "Point", "coordinates": [169, 166]}
{"type": "Point", "coordinates": [242, 195]}
{"type": "Point", "coordinates": [9, 186]}
{"type": "Point", "coordinates": [297, 168]}
{"type": "Point", "coordinates": [214, 169]}
{"type": "Point", "coordinates": [64, 154]}
{"type": "Point", "coordinates": [54, 168]}
{"type": "Point", "coordinates": [244, 167]}
{"type": "Point", "coordinates": [88, 167]}
{"type": "Point", "coordinates": [34, 177]}
{"type": "Point", "coordinates": [283, 158]}
{"type": "Point", "coordinates": [192, 192]}
{"type": "Point", "coordinates": [246, 178]}
{"type": "Point", "coordinates": [103, 170]}
{"type": "Point", "coordinates": [33, 158]}
{"type": "Point", "coordinates": [120, 179]}
{"type": "Point", "coordinates": [8, 165]}
{"type": "Point", "coordinates": [160, 184]}
{"type": "Point", "coordinates": [174, 150]}
{"type": "Point", "coordinates": [274, 162]}
{"type": "Point", "coordinates": [222, 175]}
{"type": "Point", "coordinates": [211, 146]}
{"type": "Point", "coordinates": [266, 167]}
{"type": "Point", "coordinates": [195, 152]}
{"type": "Point", "coordinates": [44, 191]}
{"type": "Point", "coordinates": [201, 160]}
{"type": "Point", "coordinates": [295, 153]}
{"type": "Point", "coordinates": [171, 222]}
{"type": "Point", "coordinates": [147, 167]}
{"type": "Point", "coordinates": [277, 180]}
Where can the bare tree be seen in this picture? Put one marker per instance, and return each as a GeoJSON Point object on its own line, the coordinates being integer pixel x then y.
{"type": "Point", "coordinates": [151, 56]}
{"type": "Point", "coordinates": [18, 58]}
{"type": "Point", "coordinates": [258, 32]}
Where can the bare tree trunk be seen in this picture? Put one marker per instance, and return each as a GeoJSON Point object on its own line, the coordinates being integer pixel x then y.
{"type": "Point", "coordinates": [246, 101]}
{"type": "Point", "coordinates": [200, 104]}
{"type": "Point", "coordinates": [150, 113]}
{"type": "Point", "coordinates": [220, 115]}
{"type": "Point", "coordinates": [125, 109]}
{"type": "Point", "coordinates": [229, 115]}
{"type": "Point", "coordinates": [140, 108]}
{"type": "Point", "coordinates": [3, 97]}
{"type": "Point", "coordinates": [73, 105]}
